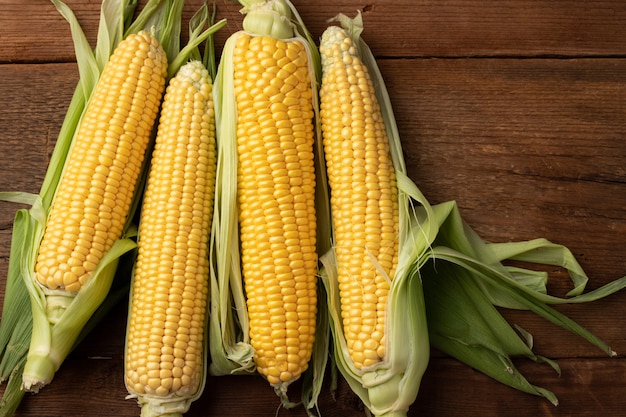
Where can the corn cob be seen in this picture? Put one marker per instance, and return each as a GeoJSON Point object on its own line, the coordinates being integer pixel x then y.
{"type": "Point", "coordinates": [364, 196]}
{"type": "Point", "coordinates": [269, 132]}
{"type": "Point", "coordinates": [94, 196]}
{"type": "Point", "coordinates": [165, 350]}
{"type": "Point", "coordinates": [277, 218]}
{"type": "Point", "coordinates": [441, 259]}
{"type": "Point", "coordinates": [375, 297]}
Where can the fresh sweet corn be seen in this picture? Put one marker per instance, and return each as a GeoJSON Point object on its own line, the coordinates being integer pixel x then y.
{"type": "Point", "coordinates": [276, 185]}
{"type": "Point", "coordinates": [95, 193]}
{"type": "Point", "coordinates": [165, 342]}
{"type": "Point", "coordinates": [93, 200]}
{"type": "Point", "coordinates": [266, 100]}
{"type": "Point", "coordinates": [371, 273]}
{"type": "Point", "coordinates": [363, 196]}
{"type": "Point", "coordinates": [79, 234]}
{"type": "Point", "coordinates": [439, 257]}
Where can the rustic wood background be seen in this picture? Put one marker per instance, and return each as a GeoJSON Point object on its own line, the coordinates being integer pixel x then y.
{"type": "Point", "coordinates": [516, 109]}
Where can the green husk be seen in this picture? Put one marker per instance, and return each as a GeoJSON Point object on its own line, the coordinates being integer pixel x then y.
{"type": "Point", "coordinates": [13, 393]}
{"type": "Point", "coordinates": [231, 351]}
{"type": "Point", "coordinates": [57, 320]}
{"type": "Point", "coordinates": [464, 279]}
{"type": "Point", "coordinates": [15, 325]}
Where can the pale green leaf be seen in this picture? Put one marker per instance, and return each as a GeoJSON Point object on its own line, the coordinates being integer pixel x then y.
{"type": "Point", "coordinates": [87, 66]}
{"type": "Point", "coordinates": [191, 47]}
{"type": "Point", "coordinates": [16, 319]}
{"type": "Point", "coordinates": [114, 16]}
{"type": "Point", "coordinates": [544, 252]}
{"type": "Point", "coordinates": [19, 197]}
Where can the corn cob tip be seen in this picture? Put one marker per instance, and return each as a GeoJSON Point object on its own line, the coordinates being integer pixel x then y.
{"type": "Point", "coordinates": [194, 73]}
{"type": "Point", "coordinates": [334, 36]}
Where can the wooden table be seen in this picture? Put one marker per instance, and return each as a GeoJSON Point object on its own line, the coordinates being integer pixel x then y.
{"type": "Point", "coordinates": [516, 109]}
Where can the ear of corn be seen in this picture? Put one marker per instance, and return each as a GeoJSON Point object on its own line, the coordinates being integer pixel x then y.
{"type": "Point", "coordinates": [276, 186]}
{"type": "Point", "coordinates": [440, 260]}
{"type": "Point", "coordinates": [113, 109]}
{"type": "Point", "coordinates": [374, 291]}
{"type": "Point", "coordinates": [166, 349]}
{"type": "Point", "coordinates": [364, 196]}
{"type": "Point", "coordinates": [164, 364]}
{"type": "Point", "coordinates": [266, 100]}
{"type": "Point", "coordinates": [94, 196]}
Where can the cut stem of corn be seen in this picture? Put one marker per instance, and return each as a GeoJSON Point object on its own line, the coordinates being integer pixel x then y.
{"type": "Point", "coordinates": [165, 342]}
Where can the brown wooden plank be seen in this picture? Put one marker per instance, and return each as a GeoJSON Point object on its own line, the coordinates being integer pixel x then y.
{"type": "Point", "coordinates": [586, 388]}
{"type": "Point", "coordinates": [451, 389]}
{"type": "Point", "coordinates": [528, 148]}
{"type": "Point", "coordinates": [34, 31]}
{"type": "Point", "coordinates": [34, 100]}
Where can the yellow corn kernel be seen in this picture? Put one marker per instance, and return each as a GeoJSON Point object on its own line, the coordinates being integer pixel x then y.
{"type": "Point", "coordinates": [364, 200]}
{"type": "Point", "coordinates": [168, 311]}
{"type": "Point", "coordinates": [96, 190]}
{"type": "Point", "coordinates": [276, 183]}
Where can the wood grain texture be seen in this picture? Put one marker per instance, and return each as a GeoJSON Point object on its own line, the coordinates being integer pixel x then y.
{"type": "Point", "coordinates": [403, 28]}
{"type": "Point", "coordinates": [515, 109]}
